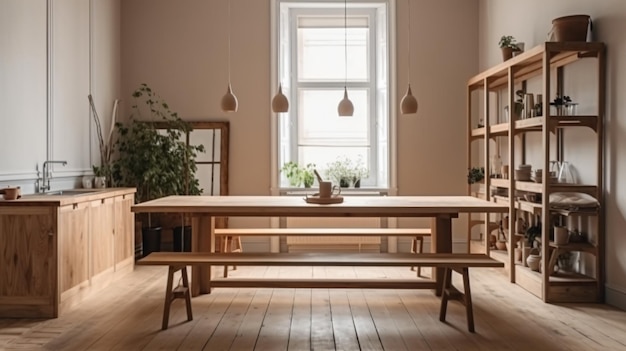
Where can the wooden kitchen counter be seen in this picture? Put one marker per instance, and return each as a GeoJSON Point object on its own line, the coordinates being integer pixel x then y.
{"type": "Point", "coordinates": [55, 250]}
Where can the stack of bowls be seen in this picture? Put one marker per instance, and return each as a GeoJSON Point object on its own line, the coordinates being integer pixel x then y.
{"type": "Point", "coordinates": [537, 176]}
{"type": "Point", "coordinates": [522, 172]}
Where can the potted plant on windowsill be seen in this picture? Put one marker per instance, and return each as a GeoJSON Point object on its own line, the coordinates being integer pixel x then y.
{"type": "Point", "coordinates": [157, 163]}
{"type": "Point", "coordinates": [298, 175]}
{"type": "Point", "coordinates": [340, 171]}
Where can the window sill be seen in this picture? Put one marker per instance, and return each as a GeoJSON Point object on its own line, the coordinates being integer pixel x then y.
{"type": "Point", "coordinates": [344, 191]}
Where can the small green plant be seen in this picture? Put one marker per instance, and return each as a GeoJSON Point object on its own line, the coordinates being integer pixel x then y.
{"type": "Point", "coordinates": [156, 162]}
{"type": "Point", "coordinates": [308, 175]}
{"type": "Point", "coordinates": [292, 172]}
{"type": "Point", "coordinates": [560, 101]}
{"type": "Point", "coordinates": [532, 233]}
{"type": "Point", "coordinates": [508, 41]}
{"type": "Point", "coordinates": [475, 175]}
{"type": "Point", "coordinates": [298, 175]}
{"type": "Point", "coordinates": [101, 171]}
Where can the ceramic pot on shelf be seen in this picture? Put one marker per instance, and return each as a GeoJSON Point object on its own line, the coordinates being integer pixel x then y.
{"type": "Point", "coordinates": [534, 260]}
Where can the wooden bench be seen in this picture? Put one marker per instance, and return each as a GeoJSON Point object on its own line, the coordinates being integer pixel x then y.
{"type": "Point", "coordinates": [231, 236]}
{"type": "Point", "coordinates": [451, 262]}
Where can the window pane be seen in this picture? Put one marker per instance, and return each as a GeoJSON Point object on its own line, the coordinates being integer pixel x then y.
{"type": "Point", "coordinates": [320, 124]}
{"type": "Point", "coordinates": [321, 54]}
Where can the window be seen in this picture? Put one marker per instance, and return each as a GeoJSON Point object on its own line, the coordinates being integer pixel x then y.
{"type": "Point", "coordinates": [311, 66]}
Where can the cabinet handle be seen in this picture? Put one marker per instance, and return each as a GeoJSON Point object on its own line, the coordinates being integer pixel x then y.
{"type": "Point", "coordinates": [50, 234]}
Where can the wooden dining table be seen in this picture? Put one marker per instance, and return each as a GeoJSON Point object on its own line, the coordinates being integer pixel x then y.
{"type": "Point", "coordinates": [205, 209]}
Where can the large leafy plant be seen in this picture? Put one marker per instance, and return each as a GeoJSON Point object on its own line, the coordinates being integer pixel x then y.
{"type": "Point", "coordinates": [156, 161]}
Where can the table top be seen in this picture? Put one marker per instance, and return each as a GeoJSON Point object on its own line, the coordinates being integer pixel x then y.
{"type": "Point", "coordinates": [352, 206]}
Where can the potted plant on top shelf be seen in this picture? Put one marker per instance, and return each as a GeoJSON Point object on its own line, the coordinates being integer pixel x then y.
{"type": "Point", "coordinates": [508, 45]}
{"type": "Point", "coordinates": [157, 162]}
{"type": "Point", "coordinates": [564, 105]}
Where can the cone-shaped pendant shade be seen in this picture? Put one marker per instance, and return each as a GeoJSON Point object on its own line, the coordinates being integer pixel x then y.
{"type": "Point", "coordinates": [345, 108]}
{"type": "Point", "coordinates": [280, 102]}
{"type": "Point", "coordinates": [408, 105]}
{"type": "Point", "coordinates": [229, 101]}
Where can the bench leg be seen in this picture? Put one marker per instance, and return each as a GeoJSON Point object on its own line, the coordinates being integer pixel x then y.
{"type": "Point", "coordinates": [172, 294]}
{"type": "Point", "coordinates": [187, 293]}
{"type": "Point", "coordinates": [444, 295]}
{"type": "Point", "coordinates": [228, 244]}
{"type": "Point", "coordinates": [450, 293]}
{"type": "Point", "coordinates": [417, 248]}
{"type": "Point", "coordinates": [468, 300]}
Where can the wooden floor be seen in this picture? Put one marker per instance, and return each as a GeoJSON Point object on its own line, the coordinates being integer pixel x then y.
{"type": "Point", "coordinates": [127, 316]}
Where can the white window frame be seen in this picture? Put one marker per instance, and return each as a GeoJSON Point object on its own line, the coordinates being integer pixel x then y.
{"type": "Point", "coordinates": [284, 125]}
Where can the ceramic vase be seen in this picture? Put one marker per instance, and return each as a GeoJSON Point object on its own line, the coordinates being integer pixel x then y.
{"type": "Point", "coordinates": [99, 182]}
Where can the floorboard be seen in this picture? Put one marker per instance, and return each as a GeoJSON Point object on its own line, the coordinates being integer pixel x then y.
{"type": "Point", "coordinates": [127, 316]}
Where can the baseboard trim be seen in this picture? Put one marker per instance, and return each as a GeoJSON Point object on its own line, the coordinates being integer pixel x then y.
{"type": "Point", "coordinates": [615, 298]}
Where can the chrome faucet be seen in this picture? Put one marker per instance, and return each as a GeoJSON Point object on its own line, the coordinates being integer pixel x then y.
{"type": "Point", "coordinates": [46, 174]}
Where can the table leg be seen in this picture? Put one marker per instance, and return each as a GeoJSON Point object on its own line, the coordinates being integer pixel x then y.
{"type": "Point", "coordinates": [201, 242]}
{"type": "Point", "coordinates": [441, 243]}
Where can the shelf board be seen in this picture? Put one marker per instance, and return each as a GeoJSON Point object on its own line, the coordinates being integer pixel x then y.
{"type": "Point", "coordinates": [500, 182]}
{"type": "Point", "coordinates": [478, 132]}
{"type": "Point", "coordinates": [535, 124]}
{"type": "Point", "coordinates": [499, 255]}
{"type": "Point", "coordinates": [527, 206]}
{"type": "Point", "coordinates": [560, 278]}
{"type": "Point", "coordinates": [501, 129]}
{"type": "Point", "coordinates": [584, 247]}
{"type": "Point", "coordinates": [528, 186]}
{"type": "Point", "coordinates": [530, 63]}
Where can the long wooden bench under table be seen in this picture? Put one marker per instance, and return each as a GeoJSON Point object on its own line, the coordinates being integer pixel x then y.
{"type": "Point", "coordinates": [229, 235]}
{"type": "Point", "coordinates": [450, 262]}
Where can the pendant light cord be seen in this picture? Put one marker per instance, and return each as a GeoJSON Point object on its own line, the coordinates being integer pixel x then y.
{"type": "Point", "coordinates": [345, 43]}
{"type": "Point", "coordinates": [229, 42]}
{"type": "Point", "coordinates": [409, 42]}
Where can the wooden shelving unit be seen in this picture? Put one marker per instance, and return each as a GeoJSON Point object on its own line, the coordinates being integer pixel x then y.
{"type": "Point", "coordinates": [543, 70]}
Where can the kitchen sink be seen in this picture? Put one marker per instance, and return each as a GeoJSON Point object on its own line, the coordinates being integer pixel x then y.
{"type": "Point", "coordinates": [73, 192]}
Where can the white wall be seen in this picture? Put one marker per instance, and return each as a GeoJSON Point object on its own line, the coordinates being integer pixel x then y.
{"type": "Point", "coordinates": [83, 57]}
{"type": "Point", "coordinates": [530, 21]}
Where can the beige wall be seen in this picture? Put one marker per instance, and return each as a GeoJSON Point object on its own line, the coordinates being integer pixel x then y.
{"type": "Point", "coordinates": [180, 49]}
{"type": "Point", "coordinates": [530, 21]}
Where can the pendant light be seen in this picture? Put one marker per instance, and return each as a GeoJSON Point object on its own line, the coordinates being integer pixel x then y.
{"type": "Point", "coordinates": [279, 102]}
{"type": "Point", "coordinates": [229, 100]}
{"type": "Point", "coordinates": [408, 104]}
{"type": "Point", "coordinates": [345, 108]}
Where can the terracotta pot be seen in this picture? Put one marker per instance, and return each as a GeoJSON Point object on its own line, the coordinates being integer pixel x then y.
{"type": "Point", "coordinates": [507, 53]}
{"type": "Point", "coordinates": [571, 28]}
{"type": "Point", "coordinates": [501, 245]}
{"type": "Point", "coordinates": [11, 193]}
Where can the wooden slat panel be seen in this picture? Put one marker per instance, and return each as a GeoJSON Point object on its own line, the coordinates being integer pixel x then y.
{"type": "Point", "coordinates": [101, 224]}
{"type": "Point", "coordinates": [73, 245]}
{"type": "Point", "coordinates": [124, 245]}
